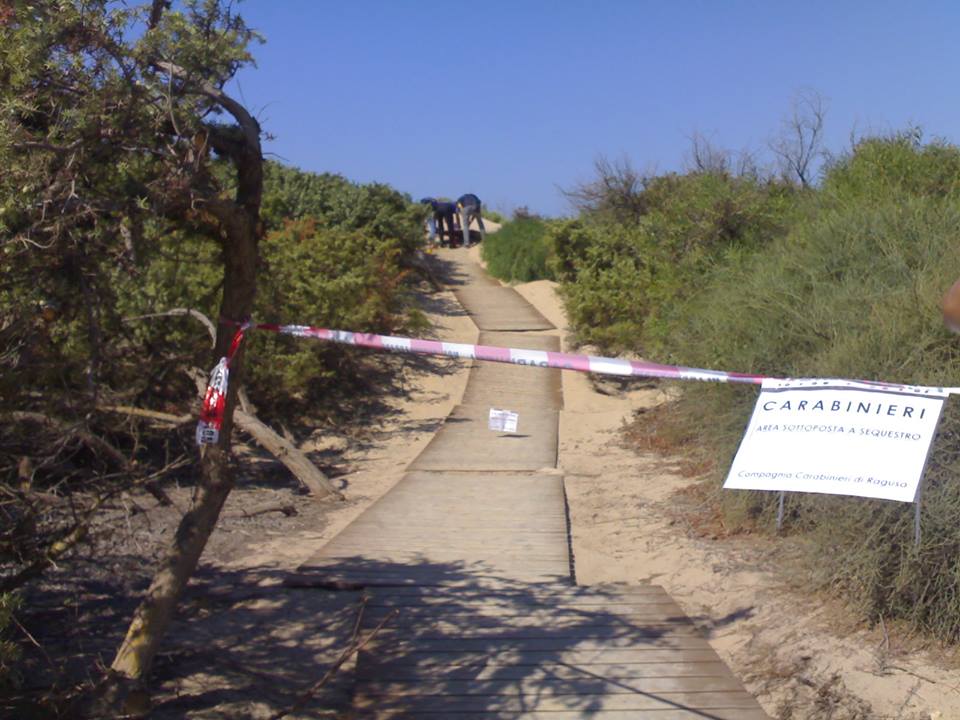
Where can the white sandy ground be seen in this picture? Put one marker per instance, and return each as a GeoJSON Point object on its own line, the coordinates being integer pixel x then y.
{"type": "Point", "coordinates": [785, 646]}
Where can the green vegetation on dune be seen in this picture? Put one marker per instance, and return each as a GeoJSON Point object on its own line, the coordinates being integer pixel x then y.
{"type": "Point", "coordinates": [838, 281]}
{"type": "Point", "coordinates": [622, 277]}
{"type": "Point", "coordinates": [335, 254]}
{"type": "Point", "coordinates": [332, 277]}
{"type": "Point", "coordinates": [517, 252]}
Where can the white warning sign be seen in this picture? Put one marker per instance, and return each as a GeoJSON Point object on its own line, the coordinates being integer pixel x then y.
{"type": "Point", "coordinates": [838, 437]}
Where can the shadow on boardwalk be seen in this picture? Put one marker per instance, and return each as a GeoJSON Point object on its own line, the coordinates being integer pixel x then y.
{"type": "Point", "coordinates": [456, 275]}
{"type": "Point", "coordinates": [244, 645]}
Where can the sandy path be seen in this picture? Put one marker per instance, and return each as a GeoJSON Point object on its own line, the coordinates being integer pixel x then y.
{"type": "Point", "coordinates": [784, 646]}
{"type": "Point", "coordinates": [378, 463]}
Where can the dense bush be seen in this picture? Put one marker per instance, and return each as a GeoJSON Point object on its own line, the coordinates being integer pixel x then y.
{"type": "Point", "coordinates": [851, 291]}
{"type": "Point", "coordinates": [331, 277]}
{"type": "Point", "coordinates": [335, 202]}
{"type": "Point", "coordinates": [518, 251]}
{"type": "Point", "coordinates": [620, 278]}
{"type": "Point", "coordinates": [884, 166]}
{"type": "Point", "coordinates": [605, 280]}
{"type": "Point", "coordinates": [344, 268]}
{"type": "Point", "coordinates": [75, 330]}
{"type": "Point", "coordinates": [493, 215]}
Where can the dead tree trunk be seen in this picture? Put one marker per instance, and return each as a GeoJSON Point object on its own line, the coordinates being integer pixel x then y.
{"type": "Point", "coordinates": [289, 454]}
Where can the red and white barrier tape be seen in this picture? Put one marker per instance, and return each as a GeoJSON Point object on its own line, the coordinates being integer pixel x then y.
{"type": "Point", "coordinates": [215, 399]}
{"type": "Point", "coordinates": [211, 418]}
{"type": "Point", "coordinates": [517, 356]}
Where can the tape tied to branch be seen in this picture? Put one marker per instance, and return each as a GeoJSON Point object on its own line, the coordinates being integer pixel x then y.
{"type": "Point", "coordinates": [215, 398]}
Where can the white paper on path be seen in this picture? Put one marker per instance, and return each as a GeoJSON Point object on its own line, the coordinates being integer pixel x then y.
{"type": "Point", "coordinates": [503, 420]}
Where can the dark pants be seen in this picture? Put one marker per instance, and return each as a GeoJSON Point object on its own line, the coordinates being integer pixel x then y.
{"type": "Point", "coordinates": [445, 218]}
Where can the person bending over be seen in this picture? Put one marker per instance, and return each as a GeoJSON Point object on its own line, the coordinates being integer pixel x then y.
{"type": "Point", "coordinates": [443, 213]}
{"type": "Point", "coordinates": [469, 208]}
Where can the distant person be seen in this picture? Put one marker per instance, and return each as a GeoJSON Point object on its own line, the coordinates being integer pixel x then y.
{"type": "Point", "coordinates": [443, 213]}
{"type": "Point", "coordinates": [469, 208]}
{"type": "Point", "coordinates": [431, 220]}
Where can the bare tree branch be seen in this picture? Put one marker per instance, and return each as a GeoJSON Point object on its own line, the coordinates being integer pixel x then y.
{"type": "Point", "coordinates": [801, 139]}
{"type": "Point", "coordinates": [617, 189]}
{"type": "Point", "coordinates": [196, 314]}
{"type": "Point", "coordinates": [706, 158]}
{"type": "Point", "coordinates": [247, 123]}
{"type": "Point", "coordinates": [355, 645]}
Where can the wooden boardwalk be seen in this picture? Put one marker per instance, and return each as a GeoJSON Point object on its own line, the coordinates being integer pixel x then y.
{"type": "Point", "coordinates": [468, 561]}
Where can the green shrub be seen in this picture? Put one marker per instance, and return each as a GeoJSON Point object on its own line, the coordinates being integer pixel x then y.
{"type": "Point", "coordinates": [840, 281]}
{"type": "Point", "coordinates": [607, 299]}
{"type": "Point", "coordinates": [329, 277]}
{"type": "Point", "coordinates": [851, 292]}
{"type": "Point", "coordinates": [518, 251]}
{"type": "Point", "coordinates": [901, 164]}
{"type": "Point", "coordinates": [339, 261]}
{"type": "Point", "coordinates": [621, 278]}
{"type": "Point", "coordinates": [334, 201]}
{"type": "Point", "coordinates": [493, 215]}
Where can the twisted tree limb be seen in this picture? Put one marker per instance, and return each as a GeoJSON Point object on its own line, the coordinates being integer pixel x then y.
{"type": "Point", "coordinates": [96, 443]}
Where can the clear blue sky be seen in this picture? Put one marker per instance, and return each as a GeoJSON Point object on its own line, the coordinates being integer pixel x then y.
{"type": "Point", "coordinates": [509, 99]}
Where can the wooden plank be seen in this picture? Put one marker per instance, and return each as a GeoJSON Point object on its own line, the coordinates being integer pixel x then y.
{"type": "Point", "coordinates": [379, 556]}
{"type": "Point", "coordinates": [515, 387]}
{"type": "Point", "coordinates": [518, 602]}
{"type": "Point", "coordinates": [702, 701]}
{"type": "Point", "coordinates": [500, 308]}
{"type": "Point", "coordinates": [472, 549]}
{"type": "Point", "coordinates": [479, 560]}
{"type": "Point", "coordinates": [666, 714]}
{"type": "Point", "coordinates": [607, 630]}
{"type": "Point", "coordinates": [487, 669]}
{"type": "Point", "coordinates": [557, 593]}
{"type": "Point", "coordinates": [454, 268]}
{"type": "Point", "coordinates": [558, 645]}
{"type": "Point", "coordinates": [467, 535]}
{"type": "Point", "coordinates": [415, 524]}
{"type": "Point", "coordinates": [465, 443]}
{"type": "Point", "coordinates": [541, 502]}
{"type": "Point", "coordinates": [400, 563]}
{"type": "Point", "coordinates": [550, 547]}
{"type": "Point", "coordinates": [551, 687]}
{"type": "Point", "coordinates": [526, 340]}
{"type": "Point", "coordinates": [608, 656]}
{"type": "Point", "coordinates": [478, 512]}
{"type": "Point", "coordinates": [433, 578]}
{"type": "Point", "coordinates": [542, 611]}
{"type": "Point", "coordinates": [535, 529]}
{"type": "Point", "coordinates": [511, 618]}
{"type": "Point", "coordinates": [546, 500]}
